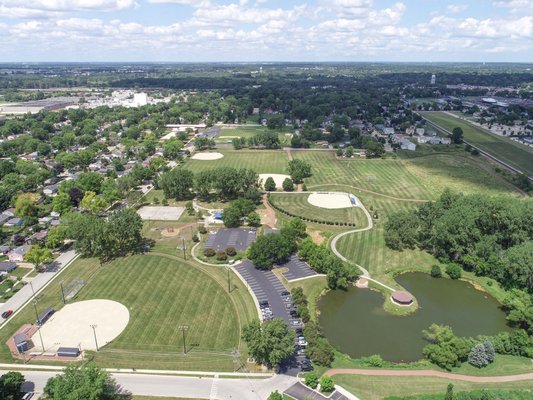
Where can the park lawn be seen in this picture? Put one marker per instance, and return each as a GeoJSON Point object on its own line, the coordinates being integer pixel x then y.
{"type": "Point", "coordinates": [458, 172]}
{"type": "Point", "coordinates": [242, 131]}
{"type": "Point", "coordinates": [261, 161]}
{"type": "Point", "coordinates": [379, 387]}
{"type": "Point", "coordinates": [514, 154]}
{"type": "Point", "coordinates": [297, 204]}
{"type": "Point", "coordinates": [161, 292]}
{"type": "Point", "coordinates": [383, 176]}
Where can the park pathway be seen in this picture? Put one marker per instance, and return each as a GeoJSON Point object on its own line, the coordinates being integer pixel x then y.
{"type": "Point", "coordinates": [428, 372]}
{"type": "Point", "coordinates": [299, 187]}
{"type": "Point", "coordinates": [270, 213]}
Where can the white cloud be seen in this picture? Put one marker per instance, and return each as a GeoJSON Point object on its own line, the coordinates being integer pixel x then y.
{"type": "Point", "coordinates": [71, 5]}
{"type": "Point", "coordinates": [192, 3]}
{"type": "Point", "coordinates": [456, 8]}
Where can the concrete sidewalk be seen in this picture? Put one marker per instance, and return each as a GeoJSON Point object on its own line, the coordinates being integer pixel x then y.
{"type": "Point", "coordinates": [40, 281]}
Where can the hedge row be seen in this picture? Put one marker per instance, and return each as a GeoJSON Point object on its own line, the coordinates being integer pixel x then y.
{"type": "Point", "coordinates": [313, 220]}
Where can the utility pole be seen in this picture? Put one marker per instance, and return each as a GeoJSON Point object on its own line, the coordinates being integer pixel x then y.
{"type": "Point", "coordinates": [62, 293]}
{"type": "Point", "coordinates": [229, 280]}
{"type": "Point", "coordinates": [183, 329]}
{"type": "Point", "coordinates": [94, 333]}
{"type": "Point", "coordinates": [183, 246]}
{"type": "Point", "coordinates": [38, 324]}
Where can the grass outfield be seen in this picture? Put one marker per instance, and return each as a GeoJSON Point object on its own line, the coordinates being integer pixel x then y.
{"type": "Point", "coordinates": [514, 154]}
{"type": "Point", "coordinates": [261, 161]}
{"type": "Point", "coordinates": [297, 204]}
{"type": "Point", "coordinates": [242, 131]}
{"type": "Point", "coordinates": [378, 387]}
{"type": "Point", "coordinates": [161, 293]}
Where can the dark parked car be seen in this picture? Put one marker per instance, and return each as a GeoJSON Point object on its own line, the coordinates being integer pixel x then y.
{"type": "Point", "coordinates": [7, 314]}
{"type": "Point", "coordinates": [285, 293]}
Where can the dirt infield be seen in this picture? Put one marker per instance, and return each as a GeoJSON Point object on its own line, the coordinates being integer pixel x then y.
{"type": "Point", "coordinates": [207, 156]}
{"type": "Point", "coordinates": [330, 200]}
{"type": "Point", "coordinates": [160, 213]}
{"type": "Point", "coordinates": [170, 232]}
{"type": "Point", "coordinates": [278, 179]}
{"type": "Point", "coordinates": [71, 326]}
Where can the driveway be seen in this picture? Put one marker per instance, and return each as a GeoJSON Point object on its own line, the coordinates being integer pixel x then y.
{"type": "Point", "coordinates": [26, 292]}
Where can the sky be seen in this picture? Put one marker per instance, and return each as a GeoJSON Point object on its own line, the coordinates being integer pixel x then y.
{"type": "Point", "coordinates": [266, 30]}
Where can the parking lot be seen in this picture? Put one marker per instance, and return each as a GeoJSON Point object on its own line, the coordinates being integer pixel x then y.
{"type": "Point", "coordinates": [239, 238]}
{"type": "Point", "coordinates": [297, 269]}
{"type": "Point", "coordinates": [275, 302]}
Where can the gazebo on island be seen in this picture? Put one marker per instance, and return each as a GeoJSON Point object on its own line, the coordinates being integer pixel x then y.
{"type": "Point", "coordinates": [402, 297]}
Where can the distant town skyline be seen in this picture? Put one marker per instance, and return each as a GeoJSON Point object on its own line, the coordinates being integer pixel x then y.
{"type": "Point", "coordinates": [266, 30]}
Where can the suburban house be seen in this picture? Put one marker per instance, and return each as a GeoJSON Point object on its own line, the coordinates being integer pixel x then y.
{"type": "Point", "coordinates": [18, 253]}
{"type": "Point", "coordinates": [4, 249]}
{"type": "Point", "coordinates": [50, 190]}
{"type": "Point", "coordinates": [13, 222]}
{"type": "Point", "coordinates": [37, 237]}
{"type": "Point", "coordinates": [6, 267]}
{"type": "Point", "coordinates": [4, 218]}
{"type": "Point", "coordinates": [406, 144]}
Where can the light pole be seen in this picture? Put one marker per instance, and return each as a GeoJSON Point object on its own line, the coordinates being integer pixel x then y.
{"type": "Point", "coordinates": [94, 333]}
{"type": "Point", "coordinates": [183, 244]}
{"type": "Point", "coordinates": [183, 329]}
{"type": "Point", "coordinates": [38, 324]}
{"type": "Point", "coordinates": [229, 279]}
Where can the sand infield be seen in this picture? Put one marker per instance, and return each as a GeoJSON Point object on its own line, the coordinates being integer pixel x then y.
{"type": "Point", "coordinates": [71, 326]}
{"type": "Point", "coordinates": [207, 156]}
{"type": "Point", "coordinates": [330, 200]}
{"type": "Point", "coordinates": [278, 179]}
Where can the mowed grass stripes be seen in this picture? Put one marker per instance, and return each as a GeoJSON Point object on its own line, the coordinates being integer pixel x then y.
{"type": "Point", "coordinates": [261, 161]}
{"type": "Point", "coordinates": [297, 204]}
{"type": "Point", "coordinates": [386, 176]}
{"type": "Point", "coordinates": [162, 294]}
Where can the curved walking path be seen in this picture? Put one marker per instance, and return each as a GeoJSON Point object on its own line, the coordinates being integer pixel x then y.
{"type": "Point", "coordinates": [428, 372]}
{"type": "Point", "coordinates": [271, 214]}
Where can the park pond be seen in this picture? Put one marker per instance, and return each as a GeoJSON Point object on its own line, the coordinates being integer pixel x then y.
{"type": "Point", "coordinates": [355, 322]}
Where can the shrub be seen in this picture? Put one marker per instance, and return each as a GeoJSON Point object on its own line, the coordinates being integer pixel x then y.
{"type": "Point", "coordinates": [270, 185]}
{"type": "Point", "coordinates": [454, 271]}
{"type": "Point", "coordinates": [288, 185]}
{"type": "Point", "coordinates": [374, 360]}
{"type": "Point", "coordinates": [326, 384]}
{"type": "Point", "coordinates": [436, 271]}
{"type": "Point", "coordinates": [478, 356]}
{"type": "Point", "coordinates": [156, 200]}
{"type": "Point", "coordinates": [209, 252]}
{"type": "Point", "coordinates": [195, 238]}
{"type": "Point", "coordinates": [311, 380]}
{"type": "Point", "coordinates": [165, 202]}
{"type": "Point", "coordinates": [221, 255]}
{"type": "Point", "coordinates": [202, 230]}
{"type": "Point", "coordinates": [275, 396]}
{"type": "Point", "coordinates": [230, 251]}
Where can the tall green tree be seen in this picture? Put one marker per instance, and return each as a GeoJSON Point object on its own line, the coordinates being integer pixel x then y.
{"type": "Point", "coordinates": [82, 382]}
{"type": "Point", "coordinates": [38, 256]}
{"type": "Point", "coordinates": [271, 249]}
{"type": "Point", "coordinates": [61, 203]}
{"type": "Point", "coordinates": [299, 170]}
{"type": "Point", "coordinates": [177, 183]}
{"type": "Point", "coordinates": [270, 343]}
{"type": "Point", "coordinates": [457, 135]}
{"type": "Point", "coordinates": [11, 386]}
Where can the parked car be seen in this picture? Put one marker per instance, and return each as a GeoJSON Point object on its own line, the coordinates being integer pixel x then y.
{"type": "Point", "coordinates": [7, 314]}
{"type": "Point", "coordinates": [285, 293]}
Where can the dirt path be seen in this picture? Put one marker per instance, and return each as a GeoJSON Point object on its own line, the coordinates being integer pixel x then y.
{"type": "Point", "coordinates": [299, 187]}
{"type": "Point", "coordinates": [438, 374]}
{"type": "Point", "coordinates": [270, 213]}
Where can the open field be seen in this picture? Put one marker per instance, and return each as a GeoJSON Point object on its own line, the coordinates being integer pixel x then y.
{"type": "Point", "coordinates": [241, 131]}
{"type": "Point", "coordinates": [512, 153]}
{"type": "Point", "coordinates": [297, 204]}
{"type": "Point", "coordinates": [161, 293]}
{"type": "Point", "coordinates": [378, 387]}
{"type": "Point", "coordinates": [261, 161]}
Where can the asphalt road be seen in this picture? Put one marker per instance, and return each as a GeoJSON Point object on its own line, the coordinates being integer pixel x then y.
{"type": "Point", "coordinates": [26, 292]}
{"type": "Point", "coordinates": [181, 386]}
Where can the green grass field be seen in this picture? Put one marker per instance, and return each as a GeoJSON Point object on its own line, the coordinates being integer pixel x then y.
{"type": "Point", "coordinates": [241, 131]}
{"type": "Point", "coordinates": [297, 204]}
{"type": "Point", "coordinates": [514, 154]}
{"type": "Point", "coordinates": [261, 161]}
{"type": "Point", "coordinates": [378, 387]}
{"type": "Point", "coordinates": [161, 293]}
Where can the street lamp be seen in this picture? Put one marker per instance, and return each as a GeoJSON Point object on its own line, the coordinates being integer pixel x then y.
{"type": "Point", "coordinates": [94, 333]}
{"type": "Point", "coordinates": [38, 324]}
{"type": "Point", "coordinates": [183, 329]}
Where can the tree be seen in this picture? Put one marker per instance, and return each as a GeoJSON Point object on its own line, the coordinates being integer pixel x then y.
{"type": "Point", "coordinates": [478, 357]}
{"type": "Point", "coordinates": [124, 233]}
{"type": "Point", "coordinates": [93, 203]}
{"type": "Point", "coordinates": [270, 343]}
{"type": "Point", "coordinates": [349, 151]}
{"type": "Point", "coordinates": [519, 307]}
{"type": "Point", "coordinates": [25, 205]}
{"type": "Point", "coordinates": [61, 203]}
{"type": "Point", "coordinates": [254, 219]}
{"type": "Point", "coordinates": [311, 380]}
{"type": "Point", "coordinates": [171, 148]}
{"type": "Point", "coordinates": [177, 183]}
{"type": "Point", "coordinates": [231, 217]}
{"type": "Point", "coordinates": [270, 249]}
{"type": "Point", "coordinates": [449, 392]}
{"type": "Point", "coordinates": [519, 262]}
{"type": "Point", "coordinates": [436, 271]}
{"type": "Point", "coordinates": [299, 170]}
{"type": "Point", "coordinates": [373, 149]}
{"type": "Point", "coordinates": [55, 237]}
{"type": "Point", "coordinates": [326, 384]}
{"type": "Point", "coordinates": [82, 382]}
{"type": "Point", "coordinates": [287, 185]}
{"type": "Point", "coordinates": [204, 144]}
{"type": "Point", "coordinates": [11, 385]}
{"type": "Point", "coordinates": [270, 185]}
{"type": "Point", "coordinates": [76, 195]}
{"type": "Point", "coordinates": [401, 231]}
{"type": "Point", "coordinates": [454, 271]}
{"type": "Point", "coordinates": [457, 135]}
{"type": "Point", "coordinates": [38, 256]}
{"type": "Point", "coordinates": [275, 396]}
